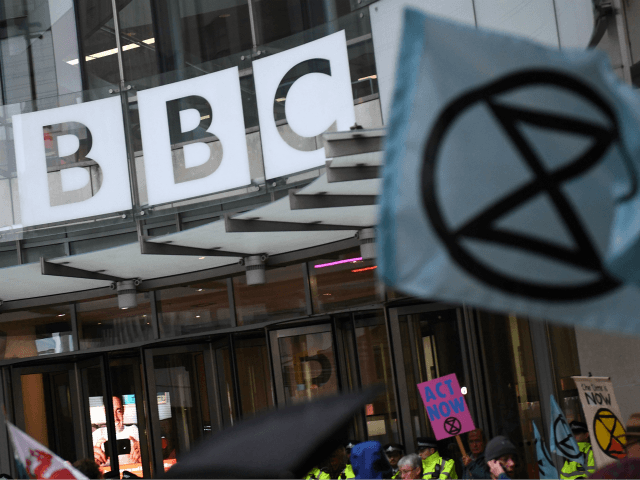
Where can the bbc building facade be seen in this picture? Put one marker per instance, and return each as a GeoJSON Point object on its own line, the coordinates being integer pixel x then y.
{"type": "Point", "coordinates": [186, 227]}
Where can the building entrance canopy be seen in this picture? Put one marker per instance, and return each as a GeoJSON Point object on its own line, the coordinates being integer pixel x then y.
{"type": "Point", "coordinates": [332, 208]}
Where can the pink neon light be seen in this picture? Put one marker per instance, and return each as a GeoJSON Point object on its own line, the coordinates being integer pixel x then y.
{"type": "Point", "coordinates": [348, 260]}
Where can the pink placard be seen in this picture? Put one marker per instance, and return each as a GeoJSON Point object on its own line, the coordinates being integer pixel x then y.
{"type": "Point", "coordinates": [446, 407]}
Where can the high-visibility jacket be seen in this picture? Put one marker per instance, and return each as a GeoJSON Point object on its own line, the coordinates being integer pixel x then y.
{"type": "Point", "coordinates": [347, 472]}
{"type": "Point", "coordinates": [571, 470]}
{"type": "Point", "coordinates": [317, 474]}
{"type": "Point", "coordinates": [434, 466]}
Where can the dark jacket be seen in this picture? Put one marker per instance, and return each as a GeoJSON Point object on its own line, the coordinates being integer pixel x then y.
{"type": "Point", "coordinates": [369, 461]}
{"type": "Point", "coordinates": [477, 469]}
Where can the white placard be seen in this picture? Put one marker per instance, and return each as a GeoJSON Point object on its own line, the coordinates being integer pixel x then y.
{"type": "Point", "coordinates": [103, 120]}
{"type": "Point", "coordinates": [200, 174]}
{"type": "Point", "coordinates": [315, 101]}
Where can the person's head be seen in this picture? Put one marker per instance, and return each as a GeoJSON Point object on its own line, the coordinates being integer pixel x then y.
{"type": "Point", "coordinates": [369, 461]}
{"type": "Point", "coordinates": [348, 446]}
{"type": "Point", "coordinates": [426, 446]}
{"type": "Point", "coordinates": [501, 449]}
{"type": "Point", "coordinates": [475, 439]}
{"type": "Point", "coordinates": [337, 460]}
{"type": "Point", "coordinates": [394, 452]}
{"type": "Point", "coordinates": [118, 413]}
{"type": "Point", "coordinates": [88, 467]}
{"type": "Point", "coordinates": [633, 436]}
{"type": "Point", "coordinates": [410, 466]}
{"type": "Point", "coordinates": [580, 431]}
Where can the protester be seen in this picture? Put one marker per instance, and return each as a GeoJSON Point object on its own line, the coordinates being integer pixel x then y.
{"type": "Point", "coordinates": [500, 455]}
{"type": "Point", "coordinates": [410, 467]}
{"type": "Point", "coordinates": [575, 469]}
{"type": "Point", "coordinates": [369, 461]}
{"type": "Point", "coordinates": [433, 465]}
{"type": "Point", "coordinates": [474, 464]}
{"type": "Point", "coordinates": [628, 467]}
{"type": "Point", "coordinates": [88, 467]}
{"type": "Point", "coordinates": [394, 452]}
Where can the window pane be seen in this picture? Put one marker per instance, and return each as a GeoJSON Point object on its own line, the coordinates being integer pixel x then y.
{"type": "Point", "coordinates": [48, 416]}
{"type": "Point", "coordinates": [186, 37]}
{"type": "Point", "coordinates": [565, 360]}
{"type": "Point", "coordinates": [281, 297]}
{"type": "Point", "coordinates": [308, 366]}
{"type": "Point", "coordinates": [256, 392]}
{"type": "Point", "coordinates": [342, 280]}
{"type": "Point", "coordinates": [375, 368]}
{"type": "Point", "coordinates": [511, 377]}
{"type": "Point", "coordinates": [34, 332]}
{"type": "Point", "coordinates": [102, 324]}
{"type": "Point", "coordinates": [183, 404]}
{"type": "Point", "coordinates": [227, 392]}
{"type": "Point", "coordinates": [193, 308]}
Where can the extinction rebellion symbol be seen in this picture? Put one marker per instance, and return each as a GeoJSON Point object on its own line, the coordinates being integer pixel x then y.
{"type": "Point", "coordinates": [549, 182]}
{"type": "Point", "coordinates": [452, 426]}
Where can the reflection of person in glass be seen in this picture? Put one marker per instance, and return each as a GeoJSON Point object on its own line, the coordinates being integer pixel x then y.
{"type": "Point", "coordinates": [100, 436]}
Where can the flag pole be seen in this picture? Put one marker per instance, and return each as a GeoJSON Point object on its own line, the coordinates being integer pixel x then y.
{"type": "Point", "coordinates": [461, 446]}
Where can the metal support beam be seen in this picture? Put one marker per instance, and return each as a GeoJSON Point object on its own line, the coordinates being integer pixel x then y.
{"type": "Point", "coordinates": [340, 144]}
{"type": "Point", "coordinates": [59, 270]}
{"type": "Point", "coordinates": [237, 225]}
{"type": "Point", "coordinates": [350, 174]}
{"type": "Point", "coordinates": [153, 248]}
{"type": "Point", "coordinates": [303, 202]}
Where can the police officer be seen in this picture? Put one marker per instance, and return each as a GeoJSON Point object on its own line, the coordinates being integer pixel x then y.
{"type": "Point", "coordinates": [394, 452]}
{"type": "Point", "coordinates": [575, 469]}
{"type": "Point", "coordinates": [348, 470]}
{"type": "Point", "coordinates": [317, 473]}
{"type": "Point", "coordinates": [433, 465]}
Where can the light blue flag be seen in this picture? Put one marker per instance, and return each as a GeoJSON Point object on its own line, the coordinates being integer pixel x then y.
{"type": "Point", "coordinates": [561, 439]}
{"type": "Point", "coordinates": [511, 177]}
{"type": "Point", "coordinates": [546, 467]}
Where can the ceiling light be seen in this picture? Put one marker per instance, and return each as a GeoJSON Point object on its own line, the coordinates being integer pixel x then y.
{"type": "Point", "coordinates": [338, 262]}
{"type": "Point", "coordinates": [111, 51]}
{"type": "Point", "coordinates": [200, 289]}
{"type": "Point", "coordinates": [370, 77]}
{"type": "Point", "coordinates": [197, 316]}
{"type": "Point", "coordinates": [201, 258]}
{"type": "Point", "coordinates": [61, 314]}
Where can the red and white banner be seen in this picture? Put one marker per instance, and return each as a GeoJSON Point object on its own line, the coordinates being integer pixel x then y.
{"type": "Point", "coordinates": [38, 460]}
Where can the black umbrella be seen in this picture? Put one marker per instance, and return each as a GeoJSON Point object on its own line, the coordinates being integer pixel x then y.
{"type": "Point", "coordinates": [283, 443]}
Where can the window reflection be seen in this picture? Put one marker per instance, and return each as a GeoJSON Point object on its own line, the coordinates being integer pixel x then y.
{"type": "Point", "coordinates": [34, 332]}
{"type": "Point", "coordinates": [342, 280]}
{"type": "Point", "coordinates": [375, 368]}
{"type": "Point", "coordinates": [257, 303]}
{"type": "Point", "coordinates": [101, 323]}
{"type": "Point", "coordinates": [566, 364]}
{"type": "Point", "coordinates": [256, 392]}
{"type": "Point", "coordinates": [193, 308]}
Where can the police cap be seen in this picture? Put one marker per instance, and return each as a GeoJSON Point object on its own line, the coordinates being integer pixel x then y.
{"type": "Point", "coordinates": [578, 427]}
{"type": "Point", "coordinates": [426, 442]}
{"type": "Point", "coordinates": [349, 444]}
{"type": "Point", "coordinates": [393, 447]}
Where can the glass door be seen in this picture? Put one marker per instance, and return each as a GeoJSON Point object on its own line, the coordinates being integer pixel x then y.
{"type": "Point", "coordinates": [426, 344]}
{"type": "Point", "coordinates": [181, 380]}
{"type": "Point", "coordinates": [305, 363]}
{"type": "Point", "coordinates": [45, 400]}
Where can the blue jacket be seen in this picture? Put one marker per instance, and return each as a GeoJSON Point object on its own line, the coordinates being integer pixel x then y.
{"type": "Point", "coordinates": [369, 461]}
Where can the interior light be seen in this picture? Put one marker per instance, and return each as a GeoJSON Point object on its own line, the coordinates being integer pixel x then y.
{"type": "Point", "coordinates": [200, 289]}
{"type": "Point", "coordinates": [201, 258]}
{"type": "Point", "coordinates": [144, 315]}
{"type": "Point", "coordinates": [225, 15]}
{"type": "Point", "coordinates": [328, 294]}
{"type": "Point", "coordinates": [281, 99]}
{"type": "Point", "coordinates": [338, 262]}
{"type": "Point", "coordinates": [463, 390]}
{"type": "Point", "coordinates": [111, 51]}
{"type": "Point", "coordinates": [205, 117]}
{"type": "Point", "coordinates": [370, 77]}
{"type": "Point", "coordinates": [99, 323]}
{"type": "Point", "coordinates": [197, 316]}
{"type": "Point", "coordinates": [61, 314]}
{"type": "Point", "coordinates": [364, 269]}
{"type": "Point", "coordinates": [124, 308]}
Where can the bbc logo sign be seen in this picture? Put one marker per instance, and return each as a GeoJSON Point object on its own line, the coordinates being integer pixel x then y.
{"type": "Point", "coordinates": [191, 114]}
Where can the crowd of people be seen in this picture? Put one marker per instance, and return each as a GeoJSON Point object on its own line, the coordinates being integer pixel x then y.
{"type": "Point", "coordinates": [496, 459]}
{"type": "Point", "coordinates": [373, 460]}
